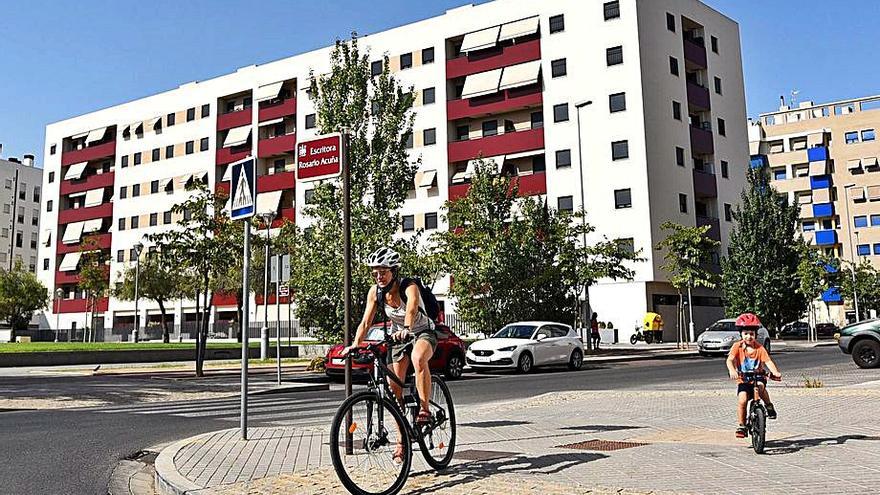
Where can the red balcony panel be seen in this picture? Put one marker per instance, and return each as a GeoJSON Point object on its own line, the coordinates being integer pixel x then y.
{"type": "Point", "coordinates": [224, 187]}
{"type": "Point", "coordinates": [90, 182]}
{"type": "Point", "coordinates": [502, 144]}
{"type": "Point", "coordinates": [529, 185]}
{"type": "Point", "coordinates": [698, 96]}
{"type": "Point", "coordinates": [493, 59]}
{"type": "Point", "coordinates": [276, 182]}
{"type": "Point", "coordinates": [286, 214]}
{"type": "Point", "coordinates": [229, 155]}
{"type": "Point", "coordinates": [277, 145]}
{"type": "Point", "coordinates": [695, 53]}
{"type": "Point", "coordinates": [705, 185]}
{"type": "Point", "coordinates": [234, 119]}
{"type": "Point", "coordinates": [714, 224]}
{"type": "Point", "coordinates": [64, 278]}
{"type": "Point", "coordinates": [87, 154]}
{"type": "Point", "coordinates": [259, 299]}
{"type": "Point", "coordinates": [284, 108]}
{"type": "Point", "coordinates": [498, 103]}
{"type": "Point", "coordinates": [224, 299]}
{"type": "Point", "coordinates": [701, 141]}
{"type": "Point", "coordinates": [104, 240]}
{"type": "Point", "coordinates": [80, 214]}
{"type": "Point", "coordinates": [458, 191]}
{"type": "Point", "coordinates": [82, 305]}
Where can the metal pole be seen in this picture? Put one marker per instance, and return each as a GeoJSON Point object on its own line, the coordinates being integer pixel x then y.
{"type": "Point", "coordinates": [57, 313]}
{"type": "Point", "coordinates": [346, 255]}
{"type": "Point", "coordinates": [852, 256]}
{"type": "Point", "coordinates": [245, 309]}
{"type": "Point", "coordinates": [137, 274]}
{"type": "Point", "coordinates": [691, 316]}
{"type": "Point", "coordinates": [278, 314]}
{"type": "Point", "coordinates": [586, 310]}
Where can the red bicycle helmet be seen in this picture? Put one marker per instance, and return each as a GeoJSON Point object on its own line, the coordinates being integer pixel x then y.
{"type": "Point", "coordinates": [747, 320]}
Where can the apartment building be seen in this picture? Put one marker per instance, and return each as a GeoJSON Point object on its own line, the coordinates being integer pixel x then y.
{"type": "Point", "coordinates": [824, 157]}
{"type": "Point", "coordinates": [651, 92]}
{"type": "Point", "coordinates": [22, 184]}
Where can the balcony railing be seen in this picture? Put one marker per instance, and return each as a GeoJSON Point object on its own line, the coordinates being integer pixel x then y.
{"type": "Point", "coordinates": [698, 96]}
{"type": "Point", "coordinates": [103, 240]}
{"type": "Point", "coordinates": [234, 119]}
{"type": "Point", "coordinates": [705, 184]}
{"type": "Point", "coordinates": [502, 144]}
{"type": "Point", "coordinates": [285, 215]}
{"type": "Point", "coordinates": [714, 224]}
{"type": "Point", "coordinates": [90, 182]}
{"type": "Point", "coordinates": [701, 141]}
{"type": "Point", "coordinates": [87, 154]}
{"type": "Point", "coordinates": [67, 278]}
{"type": "Point", "coordinates": [529, 185]}
{"type": "Point", "coordinates": [695, 53]}
{"type": "Point", "coordinates": [229, 155]}
{"type": "Point", "coordinates": [279, 181]}
{"type": "Point", "coordinates": [81, 214]}
{"type": "Point", "coordinates": [277, 145]}
{"type": "Point", "coordinates": [277, 110]}
{"type": "Point", "coordinates": [493, 59]}
{"type": "Point", "coordinates": [81, 305]}
{"type": "Point", "coordinates": [504, 101]}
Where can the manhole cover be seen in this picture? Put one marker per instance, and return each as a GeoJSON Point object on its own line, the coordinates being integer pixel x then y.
{"type": "Point", "coordinates": [483, 455]}
{"type": "Point", "coordinates": [601, 445]}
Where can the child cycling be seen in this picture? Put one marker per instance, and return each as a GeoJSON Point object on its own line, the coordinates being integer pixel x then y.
{"type": "Point", "coordinates": [747, 355]}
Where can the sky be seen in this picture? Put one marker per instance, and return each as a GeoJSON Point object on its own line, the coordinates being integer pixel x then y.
{"type": "Point", "coordinates": [59, 62]}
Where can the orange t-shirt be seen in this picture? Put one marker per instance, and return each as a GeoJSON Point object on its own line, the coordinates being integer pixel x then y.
{"type": "Point", "coordinates": [750, 358]}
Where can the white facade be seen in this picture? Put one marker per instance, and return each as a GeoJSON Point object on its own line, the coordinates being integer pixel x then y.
{"type": "Point", "coordinates": [21, 190]}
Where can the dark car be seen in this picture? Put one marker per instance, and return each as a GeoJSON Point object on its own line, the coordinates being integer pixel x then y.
{"type": "Point", "coordinates": [826, 330]}
{"type": "Point", "coordinates": [448, 358]}
{"type": "Point", "coordinates": [862, 340]}
{"type": "Point", "coordinates": [795, 329]}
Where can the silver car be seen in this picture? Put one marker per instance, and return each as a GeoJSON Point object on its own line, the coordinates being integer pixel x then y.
{"type": "Point", "coordinates": [720, 336]}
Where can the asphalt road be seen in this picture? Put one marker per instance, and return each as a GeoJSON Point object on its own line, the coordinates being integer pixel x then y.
{"type": "Point", "coordinates": [74, 451]}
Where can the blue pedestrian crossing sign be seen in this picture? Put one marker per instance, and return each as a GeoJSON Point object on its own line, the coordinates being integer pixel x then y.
{"type": "Point", "coordinates": [243, 196]}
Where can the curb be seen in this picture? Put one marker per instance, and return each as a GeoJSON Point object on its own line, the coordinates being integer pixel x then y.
{"type": "Point", "coordinates": [211, 371]}
{"type": "Point", "coordinates": [638, 357]}
{"type": "Point", "coordinates": [291, 388]}
{"type": "Point", "coordinates": [168, 480]}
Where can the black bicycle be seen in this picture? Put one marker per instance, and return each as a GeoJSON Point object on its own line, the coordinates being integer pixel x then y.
{"type": "Point", "coordinates": [371, 427]}
{"type": "Point", "coordinates": [756, 412]}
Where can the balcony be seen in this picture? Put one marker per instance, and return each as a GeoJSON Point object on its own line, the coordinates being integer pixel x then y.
{"type": "Point", "coordinates": [87, 154]}
{"type": "Point", "coordinates": [705, 184]}
{"type": "Point", "coordinates": [831, 295]}
{"type": "Point", "coordinates": [277, 145]}
{"type": "Point", "coordinates": [787, 158]}
{"type": "Point", "coordinates": [234, 119]}
{"type": "Point", "coordinates": [286, 214]}
{"type": "Point", "coordinates": [81, 214]}
{"type": "Point", "coordinates": [823, 210]}
{"type": "Point", "coordinates": [224, 299]}
{"type": "Point", "coordinates": [492, 59]}
{"type": "Point", "coordinates": [820, 182]}
{"type": "Point", "coordinates": [277, 110]}
{"type": "Point", "coordinates": [695, 53]}
{"type": "Point", "coordinates": [826, 237]}
{"type": "Point", "coordinates": [504, 101]}
{"type": "Point", "coordinates": [529, 185]}
{"type": "Point", "coordinates": [698, 96]}
{"type": "Point", "coordinates": [90, 182]}
{"type": "Point", "coordinates": [282, 300]}
{"type": "Point", "coordinates": [81, 305]}
{"type": "Point", "coordinates": [502, 144]}
{"type": "Point", "coordinates": [276, 182]}
{"type": "Point", "coordinates": [714, 224]}
{"type": "Point", "coordinates": [817, 154]}
{"type": "Point", "coordinates": [104, 240]}
{"type": "Point", "coordinates": [701, 141]}
{"type": "Point", "coordinates": [229, 155]}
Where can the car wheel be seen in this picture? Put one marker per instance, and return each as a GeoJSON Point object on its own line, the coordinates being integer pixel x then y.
{"type": "Point", "coordinates": [525, 363]}
{"type": "Point", "coordinates": [576, 360]}
{"type": "Point", "coordinates": [866, 354]}
{"type": "Point", "coordinates": [454, 366]}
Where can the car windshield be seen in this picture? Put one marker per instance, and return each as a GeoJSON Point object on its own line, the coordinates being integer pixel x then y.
{"type": "Point", "coordinates": [722, 326]}
{"type": "Point", "coordinates": [515, 332]}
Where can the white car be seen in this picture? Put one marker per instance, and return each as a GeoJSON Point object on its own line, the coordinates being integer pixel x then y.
{"type": "Point", "coordinates": [526, 344]}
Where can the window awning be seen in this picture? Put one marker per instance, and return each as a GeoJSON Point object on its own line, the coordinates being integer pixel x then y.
{"type": "Point", "coordinates": [873, 192]}
{"type": "Point", "coordinates": [268, 202]}
{"type": "Point", "coordinates": [479, 40]}
{"type": "Point", "coordinates": [184, 179]}
{"type": "Point", "coordinates": [92, 225]}
{"type": "Point", "coordinates": [268, 91]}
{"type": "Point", "coordinates": [135, 126]}
{"type": "Point", "coordinates": [75, 171]}
{"type": "Point", "coordinates": [426, 179]}
{"type": "Point", "coordinates": [857, 193]}
{"type": "Point", "coordinates": [164, 183]}
{"type": "Point", "coordinates": [520, 75]}
{"type": "Point", "coordinates": [237, 136]}
{"type": "Point", "coordinates": [94, 197]}
{"type": "Point", "coordinates": [822, 195]}
{"type": "Point", "coordinates": [853, 164]}
{"type": "Point", "coordinates": [497, 160]}
{"type": "Point", "coordinates": [96, 135]}
{"type": "Point", "coordinates": [818, 168]}
{"type": "Point", "coordinates": [816, 139]}
{"type": "Point", "coordinates": [80, 135]}
{"type": "Point", "coordinates": [524, 154]}
{"type": "Point", "coordinates": [46, 238]}
{"type": "Point", "coordinates": [70, 262]}
{"type": "Point", "coordinates": [227, 175]}
{"type": "Point", "coordinates": [151, 124]}
{"type": "Point", "coordinates": [482, 83]}
{"type": "Point", "coordinates": [72, 233]}
{"type": "Point", "coordinates": [805, 199]}
{"type": "Point", "coordinates": [272, 122]}
{"type": "Point", "coordinates": [517, 29]}
{"type": "Point", "coordinates": [870, 161]}
{"type": "Point", "coordinates": [77, 195]}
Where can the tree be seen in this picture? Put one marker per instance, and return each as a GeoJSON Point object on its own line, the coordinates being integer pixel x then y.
{"type": "Point", "coordinates": [94, 278]}
{"type": "Point", "coordinates": [21, 293]}
{"type": "Point", "coordinates": [813, 277]}
{"type": "Point", "coordinates": [867, 286]}
{"type": "Point", "coordinates": [158, 280]}
{"type": "Point", "coordinates": [688, 252]}
{"type": "Point", "coordinates": [377, 114]}
{"type": "Point", "coordinates": [760, 273]}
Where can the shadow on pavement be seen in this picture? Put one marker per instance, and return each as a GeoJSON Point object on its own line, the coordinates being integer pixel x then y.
{"type": "Point", "coordinates": [495, 424]}
{"type": "Point", "coordinates": [597, 428]}
{"type": "Point", "coordinates": [782, 447]}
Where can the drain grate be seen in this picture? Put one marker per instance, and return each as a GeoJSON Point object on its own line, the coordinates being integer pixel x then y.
{"type": "Point", "coordinates": [483, 455]}
{"type": "Point", "coordinates": [601, 445]}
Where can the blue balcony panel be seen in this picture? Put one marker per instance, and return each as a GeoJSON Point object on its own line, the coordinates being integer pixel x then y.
{"type": "Point", "coordinates": [820, 182]}
{"type": "Point", "coordinates": [826, 237]}
{"type": "Point", "coordinates": [823, 210]}
{"type": "Point", "coordinates": [758, 161]}
{"type": "Point", "coordinates": [829, 268]}
{"type": "Point", "coordinates": [832, 294]}
{"type": "Point", "coordinates": [817, 154]}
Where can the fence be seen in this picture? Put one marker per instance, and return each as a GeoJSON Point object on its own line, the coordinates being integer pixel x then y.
{"type": "Point", "coordinates": [459, 326]}
{"type": "Point", "coordinates": [221, 330]}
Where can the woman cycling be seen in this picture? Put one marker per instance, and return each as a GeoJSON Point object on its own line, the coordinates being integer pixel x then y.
{"type": "Point", "coordinates": [409, 319]}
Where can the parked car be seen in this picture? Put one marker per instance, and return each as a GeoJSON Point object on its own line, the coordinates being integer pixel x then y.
{"type": "Point", "coordinates": [448, 358]}
{"type": "Point", "coordinates": [523, 345]}
{"type": "Point", "coordinates": [720, 336]}
{"type": "Point", "coordinates": [794, 329]}
{"type": "Point", "coordinates": [826, 330]}
{"type": "Point", "coordinates": [862, 340]}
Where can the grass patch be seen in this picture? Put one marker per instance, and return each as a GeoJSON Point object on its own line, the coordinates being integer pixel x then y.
{"type": "Point", "coordinates": [17, 347]}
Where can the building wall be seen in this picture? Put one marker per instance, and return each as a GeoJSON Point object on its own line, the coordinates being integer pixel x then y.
{"type": "Point", "coordinates": [17, 180]}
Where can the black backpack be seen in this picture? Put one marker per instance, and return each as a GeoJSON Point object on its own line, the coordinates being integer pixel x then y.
{"type": "Point", "coordinates": [432, 308]}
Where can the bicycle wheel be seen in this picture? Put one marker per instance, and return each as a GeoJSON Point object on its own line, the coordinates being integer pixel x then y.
{"type": "Point", "coordinates": [437, 440]}
{"type": "Point", "coordinates": [368, 467]}
{"type": "Point", "coordinates": [759, 428]}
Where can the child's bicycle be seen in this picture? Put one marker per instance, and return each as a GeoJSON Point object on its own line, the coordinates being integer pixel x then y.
{"type": "Point", "coordinates": [363, 443]}
{"type": "Point", "coordinates": [756, 411]}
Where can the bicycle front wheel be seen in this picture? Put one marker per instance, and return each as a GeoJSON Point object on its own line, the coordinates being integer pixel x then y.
{"type": "Point", "coordinates": [759, 429]}
{"type": "Point", "coordinates": [437, 439]}
{"type": "Point", "coordinates": [363, 439]}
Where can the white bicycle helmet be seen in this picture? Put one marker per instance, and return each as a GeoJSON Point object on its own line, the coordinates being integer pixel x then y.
{"type": "Point", "coordinates": [384, 257]}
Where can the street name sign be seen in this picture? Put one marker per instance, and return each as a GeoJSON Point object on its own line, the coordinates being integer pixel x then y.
{"type": "Point", "coordinates": [319, 158]}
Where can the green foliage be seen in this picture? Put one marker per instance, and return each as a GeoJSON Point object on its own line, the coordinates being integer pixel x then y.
{"type": "Point", "coordinates": [158, 279]}
{"type": "Point", "coordinates": [688, 251]}
{"type": "Point", "coordinates": [94, 273]}
{"type": "Point", "coordinates": [867, 286]}
{"type": "Point", "coordinates": [761, 273]}
{"type": "Point", "coordinates": [21, 293]}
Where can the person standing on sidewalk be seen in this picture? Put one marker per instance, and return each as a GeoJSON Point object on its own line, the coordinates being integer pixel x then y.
{"type": "Point", "coordinates": [594, 331]}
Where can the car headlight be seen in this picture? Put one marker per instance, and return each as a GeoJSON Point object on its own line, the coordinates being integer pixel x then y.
{"type": "Point", "coordinates": [729, 338]}
{"type": "Point", "coordinates": [507, 349]}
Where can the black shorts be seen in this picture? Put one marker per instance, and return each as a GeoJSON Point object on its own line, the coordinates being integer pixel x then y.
{"type": "Point", "coordinates": [749, 388]}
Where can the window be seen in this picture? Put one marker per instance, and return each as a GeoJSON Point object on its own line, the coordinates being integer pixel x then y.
{"type": "Point", "coordinates": [190, 114]}
{"type": "Point", "coordinates": [7, 208]}
{"type": "Point", "coordinates": [558, 67]}
{"type": "Point", "coordinates": [123, 192]}
{"type": "Point", "coordinates": [135, 190]}
{"type": "Point", "coordinates": [428, 96]}
{"type": "Point", "coordinates": [808, 226]}
{"type": "Point", "coordinates": [137, 158]}
{"type": "Point", "coordinates": [563, 158]}
{"type": "Point", "coordinates": [537, 120]}
{"type": "Point", "coordinates": [868, 135]}
{"type": "Point", "coordinates": [673, 66]}
{"type": "Point", "coordinates": [428, 56]}
{"type": "Point", "coordinates": [612, 10]}
{"type": "Point", "coordinates": [169, 120]}
{"type": "Point", "coordinates": [310, 121]}
{"type": "Point", "coordinates": [718, 85]}
{"type": "Point", "coordinates": [430, 221]}
{"type": "Point", "coordinates": [714, 44]}
{"type": "Point", "coordinates": [52, 149]}
{"type": "Point", "coordinates": [8, 183]}
{"type": "Point", "coordinates": [614, 55]}
{"type": "Point", "coordinates": [203, 144]}
{"type": "Point", "coordinates": [876, 248]}
{"type": "Point", "coordinates": [408, 141]}
{"type": "Point", "coordinates": [19, 239]}
{"type": "Point", "coordinates": [490, 128]}
{"type": "Point", "coordinates": [875, 220]}
{"type": "Point", "coordinates": [154, 187]}
{"type": "Point", "coordinates": [565, 203]}
{"type": "Point", "coordinates": [206, 110]}
{"type": "Point", "coordinates": [22, 194]}
{"type": "Point", "coordinates": [860, 221]}
{"type": "Point", "coordinates": [35, 217]}
{"type": "Point", "coordinates": [617, 102]}
{"type": "Point", "coordinates": [190, 147]}
{"type": "Point", "coordinates": [722, 128]}
{"type": "Point", "coordinates": [166, 217]}
{"type": "Point", "coordinates": [429, 136]}
{"type": "Point", "coordinates": [278, 165]}
{"type": "Point", "coordinates": [724, 172]}
{"type": "Point", "coordinates": [670, 22]}
{"type": "Point", "coordinates": [309, 194]}
{"type": "Point", "coordinates": [560, 112]}
{"type": "Point", "coordinates": [376, 67]}
{"type": "Point", "coordinates": [409, 223]}
{"type": "Point", "coordinates": [851, 137]}
{"type": "Point", "coordinates": [120, 256]}
{"type": "Point", "coordinates": [406, 60]}
{"type": "Point", "coordinates": [676, 110]}
{"type": "Point", "coordinates": [827, 224]}
{"type": "Point", "coordinates": [230, 106]}
{"type": "Point", "coordinates": [462, 133]}
{"type": "Point", "coordinates": [20, 218]}
{"type": "Point", "coordinates": [864, 249]}
{"type": "Point", "coordinates": [154, 219]}
{"type": "Point", "coordinates": [779, 174]}
{"type": "Point", "coordinates": [49, 205]}
{"type": "Point", "coordinates": [51, 177]}
{"type": "Point", "coordinates": [619, 150]}
{"type": "Point", "coordinates": [622, 198]}
{"type": "Point", "coordinates": [45, 263]}
{"type": "Point", "coordinates": [557, 23]}
{"type": "Point", "coordinates": [121, 224]}
{"type": "Point", "coordinates": [4, 233]}
{"type": "Point", "coordinates": [682, 203]}
{"type": "Point", "coordinates": [155, 155]}
{"type": "Point", "coordinates": [728, 212]}
{"type": "Point", "coordinates": [169, 151]}
{"type": "Point", "coordinates": [626, 246]}
{"type": "Point", "coordinates": [679, 156]}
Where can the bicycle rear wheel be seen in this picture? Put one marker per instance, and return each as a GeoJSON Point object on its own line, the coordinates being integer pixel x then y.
{"type": "Point", "coordinates": [437, 440]}
{"type": "Point", "coordinates": [759, 428]}
{"type": "Point", "coordinates": [362, 449]}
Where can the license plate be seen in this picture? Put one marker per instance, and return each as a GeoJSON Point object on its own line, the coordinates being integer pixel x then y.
{"type": "Point", "coordinates": [481, 359]}
{"type": "Point", "coordinates": [338, 361]}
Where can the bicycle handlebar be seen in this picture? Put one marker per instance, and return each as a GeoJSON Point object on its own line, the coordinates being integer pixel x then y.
{"type": "Point", "coordinates": [752, 375]}
{"type": "Point", "coordinates": [374, 347]}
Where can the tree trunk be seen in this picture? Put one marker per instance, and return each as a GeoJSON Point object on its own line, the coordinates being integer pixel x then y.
{"type": "Point", "coordinates": [680, 319]}
{"type": "Point", "coordinates": [166, 335]}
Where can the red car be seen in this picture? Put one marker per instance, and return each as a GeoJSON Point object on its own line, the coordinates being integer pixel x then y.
{"type": "Point", "coordinates": [448, 358]}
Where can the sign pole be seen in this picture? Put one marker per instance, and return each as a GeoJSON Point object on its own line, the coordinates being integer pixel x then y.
{"type": "Point", "coordinates": [346, 240]}
{"type": "Point", "coordinates": [245, 320]}
{"type": "Point", "coordinates": [278, 314]}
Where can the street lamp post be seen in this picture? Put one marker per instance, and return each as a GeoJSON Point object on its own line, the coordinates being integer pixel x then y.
{"type": "Point", "coordinates": [138, 247]}
{"type": "Point", "coordinates": [266, 218]}
{"type": "Point", "coordinates": [59, 293]}
{"type": "Point", "coordinates": [586, 309]}
{"type": "Point", "coordinates": [852, 257]}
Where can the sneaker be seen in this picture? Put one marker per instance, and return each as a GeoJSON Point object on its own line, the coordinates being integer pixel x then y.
{"type": "Point", "coordinates": [771, 411]}
{"type": "Point", "coordinates": [741, 432]}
